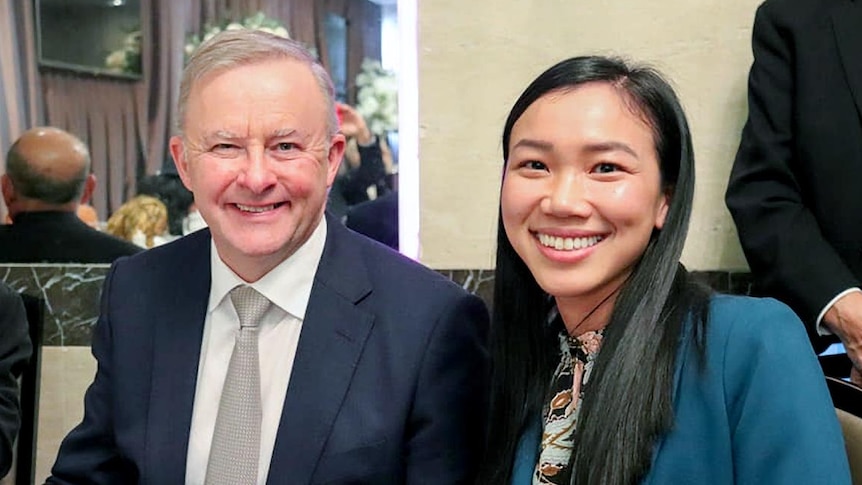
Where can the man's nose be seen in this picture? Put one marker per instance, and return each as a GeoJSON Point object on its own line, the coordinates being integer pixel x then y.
{"type": "Point", "coordinates": [257, 175]}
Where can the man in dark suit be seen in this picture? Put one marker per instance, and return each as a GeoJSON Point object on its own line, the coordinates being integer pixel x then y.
{"type": "Point", "coordinates": [14, 352]}
{"type": "Point", "coordinates": [47, 177]}
{"type": "Point", "coordinates": [794, 191]}
{"type": "Point", "coordinates": [377, 219]}
{"type": "Point", "coordinates": [358, 365]}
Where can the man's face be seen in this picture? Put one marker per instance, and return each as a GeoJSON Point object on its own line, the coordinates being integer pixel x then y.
{"type": "Point", "coordinates": [257, 155]}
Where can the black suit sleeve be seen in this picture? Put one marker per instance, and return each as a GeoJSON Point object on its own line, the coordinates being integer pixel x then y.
{"type": "Point", "coordinates": [14, 352]}
{"type": "Point", "coordinates": [447, 424]}
{"type": "Point", "coordinates": [88, 454]}
{"type": "Point", "coordinates": [779, 234]}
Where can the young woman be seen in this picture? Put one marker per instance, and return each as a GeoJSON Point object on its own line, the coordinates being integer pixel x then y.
{"type": "Point", "coordinates": [611, 366]}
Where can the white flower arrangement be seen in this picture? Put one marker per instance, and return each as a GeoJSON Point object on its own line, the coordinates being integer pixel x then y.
{"type": "Point", "coordinates": [377, 97]}
{"type": "Point", "coordinates": [258, 21]}
{"type": "Point", "coordinates": [126, 60]}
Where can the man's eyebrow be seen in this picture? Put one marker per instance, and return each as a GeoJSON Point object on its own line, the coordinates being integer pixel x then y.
{"type": "Point", "coordinates": [281, 133]}
{"type": "Point", "coordinates": [220, 135]}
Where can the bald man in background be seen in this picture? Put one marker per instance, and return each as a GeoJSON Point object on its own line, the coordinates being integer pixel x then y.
{"type": "Point", "coordinates": [47, 177]}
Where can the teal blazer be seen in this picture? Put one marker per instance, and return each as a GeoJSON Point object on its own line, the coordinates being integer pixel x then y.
{"type": "Point", "coordinates": [759, 413]}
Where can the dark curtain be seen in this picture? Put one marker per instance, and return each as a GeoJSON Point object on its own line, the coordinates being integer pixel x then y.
{"type": "Point", "coordinates": [20, 98]}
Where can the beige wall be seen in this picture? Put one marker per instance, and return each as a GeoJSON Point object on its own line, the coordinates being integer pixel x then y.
{"type": "Point", "coordinates": [476, 56]}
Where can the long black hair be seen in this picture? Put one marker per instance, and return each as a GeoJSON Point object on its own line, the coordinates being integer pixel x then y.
{"type": "Point", "coordinates": [628, 404]}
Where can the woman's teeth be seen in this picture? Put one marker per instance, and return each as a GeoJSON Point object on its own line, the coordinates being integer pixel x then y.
{"type": "Point", "coordinates": [568, 243]}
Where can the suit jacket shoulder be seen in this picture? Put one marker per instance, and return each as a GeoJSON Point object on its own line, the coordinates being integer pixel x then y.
{"type": "Point", "coordinates": [59, 237]}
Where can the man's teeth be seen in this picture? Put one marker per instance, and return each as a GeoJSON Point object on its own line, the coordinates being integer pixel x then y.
{"type": "Point", "coordinates": [568, 243]}
{"type": "Point", "coordinates": [250, 208]}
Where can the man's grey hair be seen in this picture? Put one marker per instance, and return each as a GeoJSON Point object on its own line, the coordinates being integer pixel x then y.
{"type": "Point", "coordinates": [234, 48]}
{"type": "Point", "coordinates": [35, 185]}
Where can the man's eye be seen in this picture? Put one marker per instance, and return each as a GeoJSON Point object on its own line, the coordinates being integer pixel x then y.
{"type": "Point", "coordinates": [605, 167]}
{"type": "Point", "coordinates": [286, 146]}
{"type": "Point", "coordinates": [224, 146]}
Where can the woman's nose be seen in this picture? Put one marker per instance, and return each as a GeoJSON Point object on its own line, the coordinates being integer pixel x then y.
{"type": "Point", "coordinates": [567, 197]}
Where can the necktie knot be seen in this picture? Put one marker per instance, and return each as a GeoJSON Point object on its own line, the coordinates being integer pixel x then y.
{"type": "Point", "coordinates": [249, 304]}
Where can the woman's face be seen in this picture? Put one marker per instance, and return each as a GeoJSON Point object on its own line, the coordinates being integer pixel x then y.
{"type": "Point", "coordinates": [581, 191]}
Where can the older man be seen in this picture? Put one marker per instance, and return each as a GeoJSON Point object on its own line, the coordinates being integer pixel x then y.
{"type": "Point", "coordinates": [47, 177]}
{"type": "Point", "coordinates": [276, 346]}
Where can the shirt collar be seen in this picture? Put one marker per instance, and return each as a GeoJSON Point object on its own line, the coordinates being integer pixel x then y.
{"type": "Point", "coordinates": [288, 285]}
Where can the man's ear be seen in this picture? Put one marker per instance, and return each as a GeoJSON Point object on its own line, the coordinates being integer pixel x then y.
{"type": "Point", "coordinates": [337, 145]}
{"type": "Point", "coordinates": [178, 153]}
{"type": "Point", "coordinates": [8, 190]}
{"type": "Point", "coordinates": [89, 188]}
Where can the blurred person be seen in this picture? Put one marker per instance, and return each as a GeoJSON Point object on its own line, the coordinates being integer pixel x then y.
{"type": "Point", "coordinates": [611, 366]}
{"type": "Point", "coordinates": [377, 219]}
{"type": "Point", "coordinates": [47, 178]}
{"type": "Point", "coordinates": [276, 346]}
{"type": "Point", "coordinates": [793, 191]}
{"type": "Point", "coordinates": [88, 215]}
{"type": "Point", "coordinates": [142, 220]}
{"type": "Point", "coordinates": [178, 200]}
{"type": "Point", "coordinates": [368, 161]}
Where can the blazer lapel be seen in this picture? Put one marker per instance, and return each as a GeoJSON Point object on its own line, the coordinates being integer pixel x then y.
{"type": "Point", "coordinates": [847, 20]}
{"type": "Point", "coordinates": [333, 335]}
{"type": "Point", "coordinates": [176, 347]}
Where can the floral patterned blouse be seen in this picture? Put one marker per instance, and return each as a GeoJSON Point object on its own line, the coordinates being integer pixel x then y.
{"type": "Point", "coordinates": [560, 415]}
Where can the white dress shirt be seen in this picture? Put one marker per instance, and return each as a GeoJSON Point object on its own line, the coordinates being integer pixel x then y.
{"type": "Point", "coordinates": [822, 329]}
{"type": "Point", "coordinates": [288, 287]}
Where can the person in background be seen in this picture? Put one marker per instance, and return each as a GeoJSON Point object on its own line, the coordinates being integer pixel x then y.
{"type": "Point", "coordinates": [794, 188]}
{"type": "Point", "coordinates": [47, 178]}
{"type": "Point", "coordinates": [364, 176]}
{"type": "Point", "coordinates": [142, 220]}
{"type": "Point", "coordinates": [377, 219]}
{"type": "Point", "coordinates": [88, 215]}
{"type": "Point", "coordinates": [15, 349]}
{"type": "Point", "coordinates": [277, 346]}
{"type": "Point", "coordinates": [611, 366]}
{"type": "Point", "coordinates": [168, 188]}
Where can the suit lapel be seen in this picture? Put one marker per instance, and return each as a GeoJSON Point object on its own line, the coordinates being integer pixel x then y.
{"type": "Point", "coordinates": [333, 335]}
{"type": "Point", "coordinates": [847, 20]}
{"type": "Point", "coordinates": [178, 330]}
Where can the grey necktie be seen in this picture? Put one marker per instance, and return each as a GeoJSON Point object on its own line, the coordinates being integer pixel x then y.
{"type": "Point", "coordinates": [235, 448]}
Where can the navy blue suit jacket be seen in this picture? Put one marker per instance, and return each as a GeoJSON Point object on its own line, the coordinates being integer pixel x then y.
{"type": "Point", "coordinates": [388, 383]}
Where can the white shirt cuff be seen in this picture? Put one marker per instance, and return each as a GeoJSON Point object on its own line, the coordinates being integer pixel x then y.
{"type": "Point", "coordinates": [822, 329]}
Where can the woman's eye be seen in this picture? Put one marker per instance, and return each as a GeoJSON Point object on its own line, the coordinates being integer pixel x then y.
{"type": "Point", "coordinates": [534, 165]}
{"type": "Point", "coordinates": [606, 168]}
